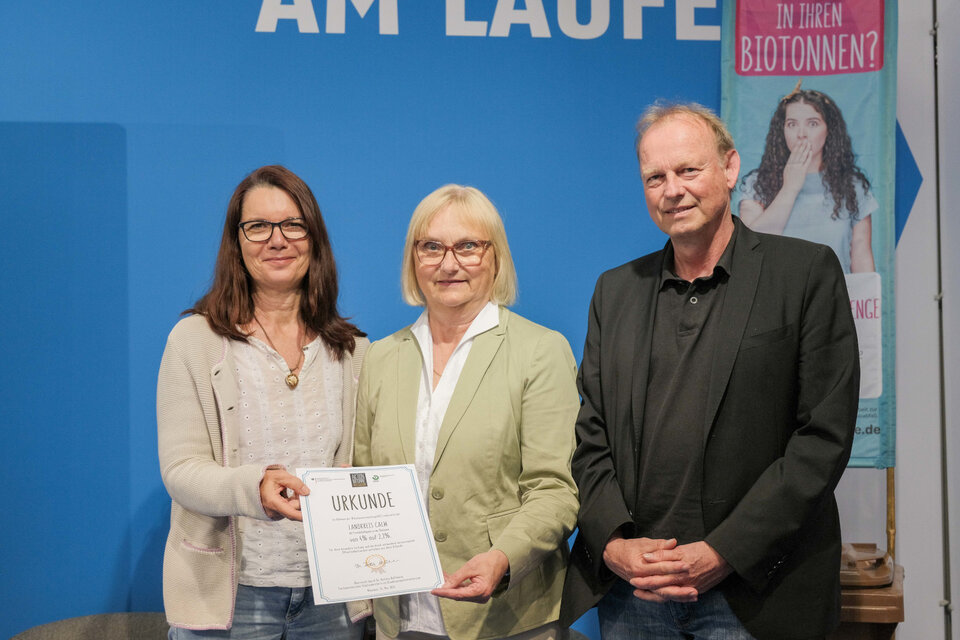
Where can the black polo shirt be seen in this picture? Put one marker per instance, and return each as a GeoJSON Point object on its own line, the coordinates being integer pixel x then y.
{"type": "Point", "coordinates": [685, 335]}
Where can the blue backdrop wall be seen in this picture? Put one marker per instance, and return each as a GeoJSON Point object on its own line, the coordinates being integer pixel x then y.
{"type": "Point", "coordinates": [124, 128]}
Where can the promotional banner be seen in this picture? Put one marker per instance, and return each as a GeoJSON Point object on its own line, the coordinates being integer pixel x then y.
{"type": "Point", "coordinates": [809, 93]}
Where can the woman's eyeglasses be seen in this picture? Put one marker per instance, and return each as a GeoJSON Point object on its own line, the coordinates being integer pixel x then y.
{"type": "Point", "coordinates": [262, 230]}
{"type": "Point", "coordinates": [469, 253]}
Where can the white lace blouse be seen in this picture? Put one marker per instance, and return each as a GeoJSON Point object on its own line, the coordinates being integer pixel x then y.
{"type": "Point", "coordinates": [292, 427]}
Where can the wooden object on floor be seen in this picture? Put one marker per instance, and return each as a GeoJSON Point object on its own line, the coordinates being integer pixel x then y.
{"type": "Point", "coordinates": [871, 613]}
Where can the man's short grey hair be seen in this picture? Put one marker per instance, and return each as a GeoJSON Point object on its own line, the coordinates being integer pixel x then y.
{"type": "Point", "coordinates": [660, 111]}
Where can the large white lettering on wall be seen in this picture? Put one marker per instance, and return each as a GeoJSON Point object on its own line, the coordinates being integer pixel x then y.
{"type": "Point", "coordinates": [596, 27]}
{"type": "Point", "coordinates": [337, 15]}
{"type": "Point", "coordinates": [530, 17]}
{"type": "Point", "coordinates": [533, 15]}
{"type": "Point", "coordinates": [687, 27]}
{"type": "Point", "coordinates": [272, 11]}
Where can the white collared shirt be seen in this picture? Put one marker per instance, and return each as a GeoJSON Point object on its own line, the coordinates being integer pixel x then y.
{"type": "Point", "coordinates": [421, 611]}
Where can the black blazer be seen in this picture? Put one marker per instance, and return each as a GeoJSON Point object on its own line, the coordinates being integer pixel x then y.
{"type": "Point", "coordinates": [781, 409]}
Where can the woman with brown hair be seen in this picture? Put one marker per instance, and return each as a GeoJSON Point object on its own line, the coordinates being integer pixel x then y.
{"type": "Point", "coordinates": [259, 379]}
{"type": "Point", "coordinates": [808, 184]}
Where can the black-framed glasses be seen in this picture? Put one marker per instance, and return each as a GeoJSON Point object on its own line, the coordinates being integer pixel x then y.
{"type": "Point", "coordinates": [262, 230]}
{"type": "Point", "coordinates": [469, 253]}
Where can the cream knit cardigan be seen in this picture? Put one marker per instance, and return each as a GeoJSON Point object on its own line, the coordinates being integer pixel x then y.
{"type": "Point", "coordinates": [197, 441]}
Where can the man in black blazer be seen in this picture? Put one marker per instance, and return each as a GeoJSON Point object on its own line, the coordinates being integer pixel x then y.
{"type": "Point", "coordinates": [719, 387]}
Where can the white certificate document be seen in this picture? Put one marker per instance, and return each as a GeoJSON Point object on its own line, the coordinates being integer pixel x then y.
{"type": "Point", "coordinates": [367, 533]}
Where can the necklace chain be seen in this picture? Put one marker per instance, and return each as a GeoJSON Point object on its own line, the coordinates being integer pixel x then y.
{"type": "Point", "coordinates": [292, 378]}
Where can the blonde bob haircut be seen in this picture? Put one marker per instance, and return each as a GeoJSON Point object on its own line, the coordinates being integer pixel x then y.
{"type": "Point", "coordinates": [475, 209]}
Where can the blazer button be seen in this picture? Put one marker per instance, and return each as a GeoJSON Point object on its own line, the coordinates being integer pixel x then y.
{"type": "Point", "coordinates": [440, 536]}
{"type": "Point", "coordinates": [437, 493]}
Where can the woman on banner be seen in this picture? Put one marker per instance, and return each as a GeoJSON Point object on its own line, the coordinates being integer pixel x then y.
{"type": "Point", "coordinates": [259, 380]}
{"type": "Point", "coordinates": [485, 401]}
{"type": "Point", "coordinates": [808, 184]}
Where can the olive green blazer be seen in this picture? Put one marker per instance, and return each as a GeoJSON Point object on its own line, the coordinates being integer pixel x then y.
{"type": "Point", "coordinates": [501, 477]}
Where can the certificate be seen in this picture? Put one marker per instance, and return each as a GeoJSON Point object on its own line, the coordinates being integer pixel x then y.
{"type": "Point", "coordinates": [367, 533]}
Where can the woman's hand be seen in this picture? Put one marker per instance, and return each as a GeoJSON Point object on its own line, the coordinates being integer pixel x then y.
{"type": "Point", "coordinates": [774, 218]}
{"type": "Point", "coordinates": [275, 487]}
{"type": "Point", "coordinates": [797, 167]}
{"type": "Point", "coordinates": [476, 580]}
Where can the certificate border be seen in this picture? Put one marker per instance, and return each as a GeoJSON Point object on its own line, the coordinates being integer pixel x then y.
{"type": "Point", "coordinates": [425, 523]}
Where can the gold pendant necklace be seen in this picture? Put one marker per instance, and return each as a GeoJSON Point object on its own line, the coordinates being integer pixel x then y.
{"type": "Point", "coordinates": [292, 378]}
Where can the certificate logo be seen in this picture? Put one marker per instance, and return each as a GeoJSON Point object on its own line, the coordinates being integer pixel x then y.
{"type": "Point", "coordinates": [358, 479]}
{"type": "Point", "coordinates": [375, 562]}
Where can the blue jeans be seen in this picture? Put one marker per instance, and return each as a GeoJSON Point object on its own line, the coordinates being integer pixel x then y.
{"type": "Point", "coordinates": [262, 613]}
{"type": "Point", "coordinates": [623, 616]}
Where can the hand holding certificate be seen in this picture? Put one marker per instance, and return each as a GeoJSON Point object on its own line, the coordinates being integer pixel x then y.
{"type": "Point", "coordinates": [367, 533]}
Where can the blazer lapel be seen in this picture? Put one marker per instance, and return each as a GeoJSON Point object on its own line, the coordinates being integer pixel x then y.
{"type": "Point", "coordinates": [409, 374]}
{"type": "Point", "coordinates": [737, 303]}
{"type": "Point", "coordinates": [484, 348]}
{"type": "Point", "coordinates": [644, 315]}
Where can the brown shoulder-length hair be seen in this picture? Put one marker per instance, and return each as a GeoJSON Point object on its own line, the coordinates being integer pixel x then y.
{"type": "Point", "coordinates": [228, 305]}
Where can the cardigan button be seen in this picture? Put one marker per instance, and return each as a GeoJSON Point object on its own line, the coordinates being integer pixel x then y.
{"type": "Point", "coordinates": [440, 536]}
{"type": "Point", "coordinates": [437, 493]}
